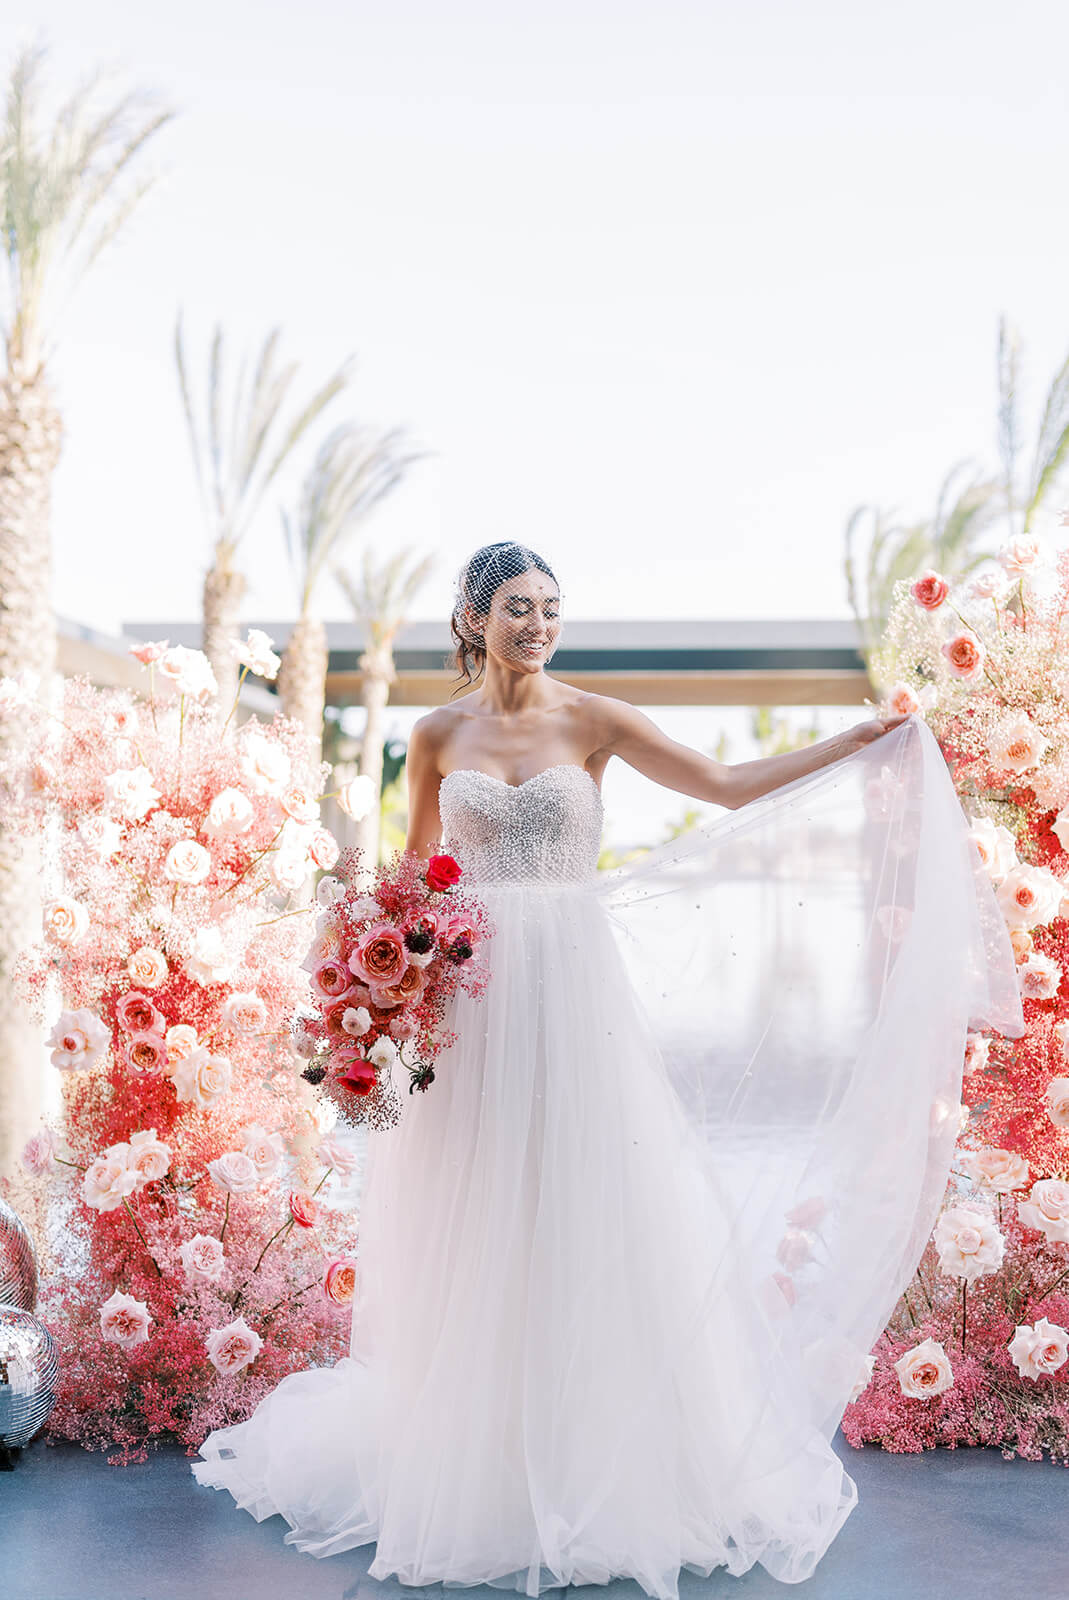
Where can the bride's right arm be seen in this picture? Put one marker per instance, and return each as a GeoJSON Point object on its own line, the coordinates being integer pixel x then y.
{"type": "Point", "coordinates": [421, 769]}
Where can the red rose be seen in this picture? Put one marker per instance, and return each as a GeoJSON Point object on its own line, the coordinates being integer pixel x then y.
{"type": "Point", "coordinates": [360, 1077]}
{"type": "Point", "coordinates": [442, 872]}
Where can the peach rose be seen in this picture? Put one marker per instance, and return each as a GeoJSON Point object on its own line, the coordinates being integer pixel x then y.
{"type": "Point", "coordinates": [1056, 1099]}
{"type": "Point", "coordinates": [1022, 942]}
{"type": "Point", "coordinates": [147, 967]}
{"type": "Point", "coordinates": [109, 1179]}
{"type": "Point", "coordinates": [124, 1320]}
{"type": "Point", "coordinates": [924, 1371]}
{"type": "Point", "coordinates": [303, 1209]}
{"type": "Point", "coordinates": [930, 590]}
{"type": "Point", "coordinates": [146, 1052]}
{"type": "Point", "coordinates": [965, 655]}
{"type": "Point", "coordinates": [901, 701]}
{"type": "Point", "coordinates": [230, 813]}
{"type": "Point", "coordinates": [339, 1281]}
{"type": "Point", "coordinates": [201, 1077]}
{"type": "Point", "coordinates": [1047, 1209]}
{"type": "Point", "coordinates": [149, 1157]}
{"type": "Point", "coordinates": [1029, 896]}
{"type": "Point", "coordinates": [1016, 744]}
{"type": "Point", "coordinates": [409, 986]}
{"type": "Point", "coordinates": [996, 847]}
{"type": "Point", "coordinates": [1039, 1349]}
{"type": "Point", "coordinates": [245, 1012]}
{"type": "Point", "coordinates": [234, 1172]}
{"type": "Point", "coordinates": [1001, 1171]}
{"type": "Point", "coordinates": [968, 1241]}
{"type": "Point", "coordinates": [66, 921]}
{"type": "Point", "coordinates": [78, 1041]}
{"type": "Point", "coordinates": [380, 956]}
{"type": "Point", "coordinates": [202, 1258]}
{"type": "Point", "coordinates": [180, 1040]}
{"type": "Point", "coordinates": [234, 1347]}
{"type": "Point", "coordinates": [187, 863]}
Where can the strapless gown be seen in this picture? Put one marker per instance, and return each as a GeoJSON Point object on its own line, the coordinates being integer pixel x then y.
{"type": "Point", "coordinates": [619, 1268]}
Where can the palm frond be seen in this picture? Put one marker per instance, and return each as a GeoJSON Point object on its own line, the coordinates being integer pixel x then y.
{"type": "Point", "coordinates": [1052, 444]}
{"type": "Point", "coordinates": [1008, 424]}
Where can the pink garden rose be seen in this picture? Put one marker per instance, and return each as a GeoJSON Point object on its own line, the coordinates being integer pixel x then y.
{"type": "Point", "coordinates": [1047, 1208]}
{"type": "Point", "coordinates": [234, 1347]}
{"type": "Point", "coordinates": [930, 590]}
{"type": "Point", "coordinates": [265, 1150]}
{"type": "Point", "coordinates": [1039, 1349]}
{"type": "Point", "coordinates": [300, 806]}
{"type": "Point", "coordinates": [339, 1280]}
{"type": "Point", "coordinates": [924, 1371]}
{"type": "Point", "coordinates": [136, 1013]}
{"type": "Point", "coordinates": [344, 1158]}
{"type": "Point", "coordinates": [380, 956]}
{"type": "Point", "coordinates": [1020, 554]}
{"type": "Point", "coordinates": [402, 1027]}
{"type": "Point", "coordinates": [124, 1320]}
{"type": "Point", "coordinates": [148, 654]}
{"type": "Point", "coordinates": [965, 655]}
{"type": "Point", "coordinates": [332, 979]}
{"type": "Point", "coordinates": [202, 1258]}
{"type": "Point", "coordinates": [38, 1152]}
{"type": "Point", "coordinates": [146, 1052]}
{"type": "Point", "coordinates": [303, 1209]}
{"type": "Point", "coordinates": [78, 1041]}
{"type": "Point", "coordinates": [323, 849]}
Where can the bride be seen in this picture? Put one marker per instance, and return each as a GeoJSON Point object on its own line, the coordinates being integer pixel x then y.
{"type": "Point", "coordinates": [620, 1268]}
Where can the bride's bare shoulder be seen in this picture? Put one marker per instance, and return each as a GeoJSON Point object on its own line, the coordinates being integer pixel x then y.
{"type": "Point", "coordinates": [604, 717]}
{"type": "Point", "coordinates": [432, 732]}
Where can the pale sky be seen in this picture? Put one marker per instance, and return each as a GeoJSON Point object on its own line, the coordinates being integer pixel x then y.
{"type": "Point", "coordinates": [666, 287]}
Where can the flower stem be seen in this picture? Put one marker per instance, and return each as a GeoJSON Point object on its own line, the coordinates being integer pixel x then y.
{"type": "Point", "coordinates": [237, 696]}
{"type": "Point", "coordinates": [141, 1236]}
{"type": "Point", "coordinates": [964, 1308]}
{"type": "Point", "coordinates": [226, 1218]}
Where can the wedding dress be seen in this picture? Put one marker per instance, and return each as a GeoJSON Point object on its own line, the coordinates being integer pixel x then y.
{"type": "Point", "coordinates": [588, 1341]}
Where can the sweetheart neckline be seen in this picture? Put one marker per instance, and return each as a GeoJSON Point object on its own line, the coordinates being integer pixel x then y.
{"type": "Point", "coordinates": [557, 767]}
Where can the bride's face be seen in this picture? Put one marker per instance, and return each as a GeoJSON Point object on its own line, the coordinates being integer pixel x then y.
{"type": "Point", "coordinates": [523, 624]}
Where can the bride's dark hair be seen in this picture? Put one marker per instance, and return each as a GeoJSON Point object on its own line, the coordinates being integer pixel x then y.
{"type": "Point", "coordinates": [479, 578]}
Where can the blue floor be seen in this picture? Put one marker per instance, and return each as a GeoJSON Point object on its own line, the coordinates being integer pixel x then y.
{"type": "Point", "coordinates": [946, 1525]}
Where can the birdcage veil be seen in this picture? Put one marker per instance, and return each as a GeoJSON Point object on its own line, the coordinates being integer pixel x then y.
{"type": "Point", "coordinates": [476, 582]}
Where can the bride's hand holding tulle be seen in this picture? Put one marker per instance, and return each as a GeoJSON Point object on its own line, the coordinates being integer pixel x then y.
{"type": "Point", "coordinates": [863, 733]}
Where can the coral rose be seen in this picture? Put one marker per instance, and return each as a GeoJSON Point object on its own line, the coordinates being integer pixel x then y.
{"type": "Point", "coordinates": [380, 956]}
{"type": "Point", "coordinates": [136, 1013]}
{"type": "Point", "coordinates": [1039, 1349]}
{"type": "Point", "coordinates": [930, 590]}
{"type": "Point", "coordinates": [303, 1209]}
{"type": "Point", "coordinates": [124, 1320]}
{"type": "Point", "coordinates": [339, 1281]}
{"type": "Point", "coordinates": [924, 1371]}
{"type": "Point", "coordinates": [234, 1347]}
{"type": "Point", "coordinates": [442, 872]}
{"type": "Point", "coordinates": [965, 655]}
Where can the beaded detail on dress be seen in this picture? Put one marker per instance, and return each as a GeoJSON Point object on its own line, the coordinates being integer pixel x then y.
{"type": "Point", "coordinates": [545, 830]}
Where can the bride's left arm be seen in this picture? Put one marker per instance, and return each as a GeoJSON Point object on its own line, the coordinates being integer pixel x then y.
{"type": "Point", "coordinates": [632, 736]}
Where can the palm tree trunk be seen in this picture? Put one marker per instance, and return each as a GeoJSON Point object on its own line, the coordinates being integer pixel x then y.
{"type": "Point", "coordinates": [378, 673]}
{"type": "Point", "coordinates": [31, 434]}
{"type": "Point", "coordinates": [302, 680]}
{"type": "Point", "coordinates": [224, 590]}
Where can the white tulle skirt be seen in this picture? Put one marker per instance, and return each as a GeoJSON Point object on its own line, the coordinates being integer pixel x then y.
{"type": "Point", "coordinates": [587, 1340]}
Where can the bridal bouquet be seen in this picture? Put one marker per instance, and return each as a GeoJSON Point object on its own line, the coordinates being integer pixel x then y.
{"type": "Point", "coordinates": [383, 966]}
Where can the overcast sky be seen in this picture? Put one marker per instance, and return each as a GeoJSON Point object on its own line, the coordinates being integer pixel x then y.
{"type": "Point", "coordinates": [666, 288]}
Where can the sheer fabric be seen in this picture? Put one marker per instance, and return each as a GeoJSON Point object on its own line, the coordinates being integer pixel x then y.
{"type": "Point", "coordinates": [588, 1341]}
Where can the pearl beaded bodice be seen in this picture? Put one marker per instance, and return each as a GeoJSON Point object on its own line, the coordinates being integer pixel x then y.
{"type": "Point", "coordinates": [545, 830]}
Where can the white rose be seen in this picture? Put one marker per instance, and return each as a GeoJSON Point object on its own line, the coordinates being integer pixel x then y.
{"type": "Point", "coordinates": [356, 1020]}
{"type": "Point", "coordinates": [357, 797]}
{"type": "Point", "coordinates": [1029, 896]}
{"type": "Point", "coordinates": [209, 961]}
{"type": "Point", "coordinates": [417, 958]}
{"type": "Point", "coordinates": [78, 1040]}
{"type": "Point", "coordinates": [1050, 784]}
{"type": "Point", "coordinates": [202, 1258]}
{"type": "Point", "coordinates": [202, 1077]}
{"type": "Point", "coordinates": [66, 921]}
{"type": "Point", "coordinates": [149, 1157]}
{"type": "Point", "coordinates": [302, 807]}
{"type": "Point", "coordinates": [329, 891]}
{"type": "Point", "coordinates": [1047, 1209]}
{"type": "Point", "coordinates": [1060, 828]}
{"type": "Point", "coordinates": [1039, 1349]}
{"type": "Point", "coordinates": [995, 846]}
{"type": "Point", "coordinates": [991, 584]}
{"type": "Point", "coordinates": [244, 1012]}
{"type": "Point", "coordinates": [1039, 977]}
{"type": "Point", "coordinates": [188, 672]}
{"type": "Point", "coordinates": [977, 1049]}
{"type": "Point", "coordinates": [864, 1378]}
{"type": "Point", "coordinates": [265, 764]}
{"type": "Point", "coordinates": [1016, 744]}
{"type": "Point", "coordinates": [1020, 554]}
{"type": "Point", "coordinates": [109, 1179]}
{"type": "Point", "coordinates": [230, 813]}
{"type": "Point", "coordinates": [1000, 1171]}
{"type": "Point", "coordinates": [924, 1370]}
{"type": "Point", "coordinates": [383, 1052]}
{"type": "Point", "coordinates": [365, 908]}
{"type": "Point", "coordinates": [969, 1243]}
{"type": "Point", "coordinates": [181, 1039]}
{"type": "Point", "coordinates": [234, 1171]}
{"type": "Point", "coordinates": [1056, 1099]}
{"type": "Point", "coordinates": [100, 835]}
{"type": "Point", "coordinates": [265, 1150]}
{"type": "Point", "coordinates": [288, 870]}
{"type": "Point", "coordinates": [124, 1320]}
{"type": "Point", "coordinates": [256, 653]}
{"type": "Point", "coordinates": [147, 967]}
{"type": "Point", "coordinates": [187, 862]}
{"type": "Point", "coordinates": [131, 792]}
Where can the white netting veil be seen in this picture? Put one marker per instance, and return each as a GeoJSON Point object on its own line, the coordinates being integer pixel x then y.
{"type": "Point", "coordinates": [506, 601]}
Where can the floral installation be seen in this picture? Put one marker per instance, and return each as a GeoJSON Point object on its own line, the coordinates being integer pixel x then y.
{"type": "Point", "coordinates": [194, 1246]}
{"type": "Point", "coordinates": [978, 1349]}
{"type": "Point", "coordinates": [384, 962]}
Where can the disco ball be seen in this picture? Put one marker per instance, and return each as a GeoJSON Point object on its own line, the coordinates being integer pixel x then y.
{"type": "Point", "coordinates": [28, 1374]}
{"type": "Point", "coordinates": [18, 1261]}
